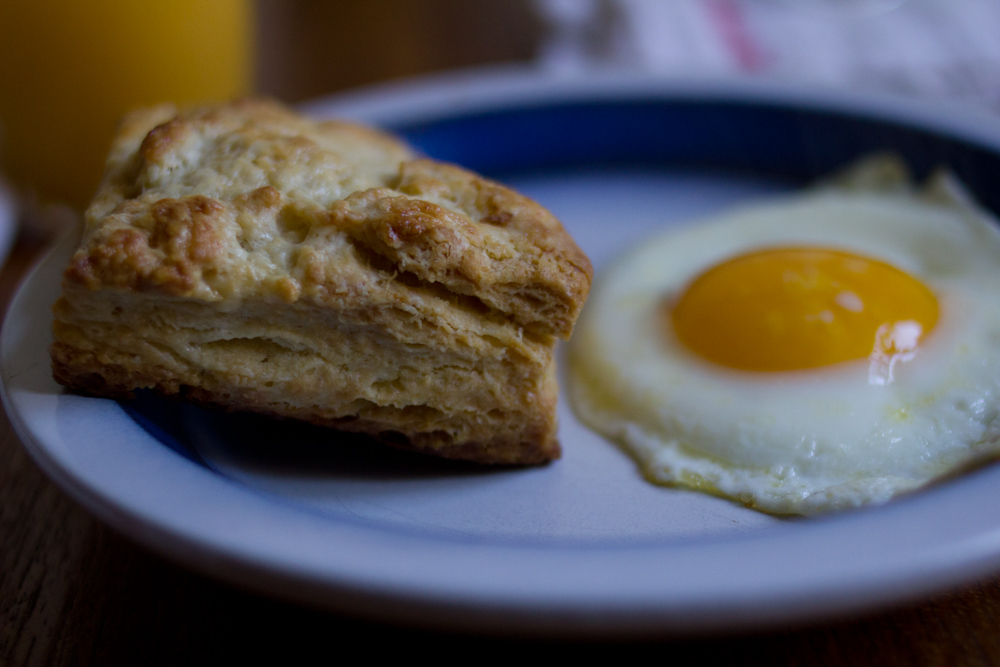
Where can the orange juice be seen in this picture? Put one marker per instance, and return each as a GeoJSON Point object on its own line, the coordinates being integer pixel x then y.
{"type": "Point", "coordinates": [70, 68]}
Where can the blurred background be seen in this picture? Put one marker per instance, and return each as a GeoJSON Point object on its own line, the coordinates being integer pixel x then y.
{"type": "Point", "coordinates": [68, 70]}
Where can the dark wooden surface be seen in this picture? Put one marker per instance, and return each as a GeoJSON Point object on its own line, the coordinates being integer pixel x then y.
{"type": "Point", "coordinates": [73, 592]}
{"type": "Point", "coordinates": [310, 48]}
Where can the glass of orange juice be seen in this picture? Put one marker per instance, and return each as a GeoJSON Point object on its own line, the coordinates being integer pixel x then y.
{"type": "Point", "coordinates": [70, 69]}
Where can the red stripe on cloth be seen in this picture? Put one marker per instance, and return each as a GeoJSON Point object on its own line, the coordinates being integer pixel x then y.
{"type": "Point", "coordinates": [727, 17]}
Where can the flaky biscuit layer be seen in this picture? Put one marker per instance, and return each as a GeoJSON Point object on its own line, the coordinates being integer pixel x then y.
{"type": "Point", "coordinates": [251, 258]}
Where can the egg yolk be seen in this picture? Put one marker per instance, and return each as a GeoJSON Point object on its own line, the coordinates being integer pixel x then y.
{"type": "Point", "coordinates": [784, 309]}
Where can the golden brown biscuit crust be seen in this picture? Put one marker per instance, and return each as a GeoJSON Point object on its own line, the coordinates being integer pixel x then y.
{"type": "Point", "coordinates": [232, 252]}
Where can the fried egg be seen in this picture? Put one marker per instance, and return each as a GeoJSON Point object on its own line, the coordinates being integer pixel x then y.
{"type": "Point", "coordinates": [828, 350]}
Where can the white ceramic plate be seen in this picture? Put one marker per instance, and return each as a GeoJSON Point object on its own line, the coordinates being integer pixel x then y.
{"type": "Point", "coordinates": [581, 545]}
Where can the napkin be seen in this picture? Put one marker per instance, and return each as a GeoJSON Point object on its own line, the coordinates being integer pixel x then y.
{"type": "Point", "coordinates": [947, 49]}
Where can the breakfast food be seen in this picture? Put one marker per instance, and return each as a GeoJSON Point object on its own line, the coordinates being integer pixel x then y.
{"type": "Point", "coordinates": [246, 257]}
{"type": "Point", "coordinates": [828, 350]}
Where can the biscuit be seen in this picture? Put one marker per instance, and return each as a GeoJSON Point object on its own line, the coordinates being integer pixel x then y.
{"type": "Point", "coordinates": [247, 257]}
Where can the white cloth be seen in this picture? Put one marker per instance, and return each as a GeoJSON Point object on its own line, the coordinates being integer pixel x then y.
{"type": "Point", "coordinates": [947, 49]}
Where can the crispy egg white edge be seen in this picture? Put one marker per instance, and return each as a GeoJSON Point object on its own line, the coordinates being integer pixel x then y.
{"type": "Point", "coordinates": [956, 243]}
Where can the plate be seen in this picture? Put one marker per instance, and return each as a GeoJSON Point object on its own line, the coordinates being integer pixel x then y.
{"type": "Point", "coordinates": [583, 545]}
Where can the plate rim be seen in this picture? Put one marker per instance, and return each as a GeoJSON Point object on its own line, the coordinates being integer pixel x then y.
{"type": "Point", "coordinates": [436, 601]}
{"type": "Point", "coordinates": [476, 90]}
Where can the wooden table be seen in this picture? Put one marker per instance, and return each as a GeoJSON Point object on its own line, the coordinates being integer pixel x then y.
{"type": "Point", "coordinates": [73, 592]}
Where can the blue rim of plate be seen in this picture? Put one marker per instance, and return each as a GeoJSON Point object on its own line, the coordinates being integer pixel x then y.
{"type": "Point", "coordinates": [793, 143]}
{"type": "Point", "coordinates": [502, 123]}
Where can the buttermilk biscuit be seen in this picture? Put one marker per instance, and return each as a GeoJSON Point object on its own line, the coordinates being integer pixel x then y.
{"type": "Point", "coordinates": [247, 257]}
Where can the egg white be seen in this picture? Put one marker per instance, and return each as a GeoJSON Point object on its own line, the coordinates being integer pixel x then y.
{"type": "Point", "coordinates": [813, 440]}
